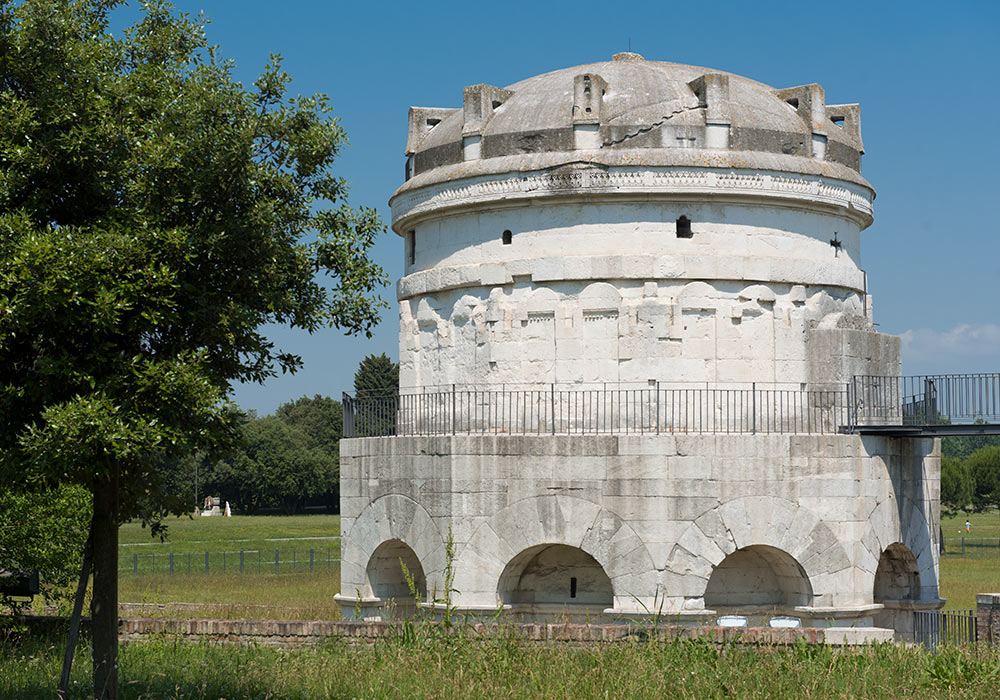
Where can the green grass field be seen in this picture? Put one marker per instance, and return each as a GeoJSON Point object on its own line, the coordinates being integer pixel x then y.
{"type": "Point", "coordinates": [978, 570]}
{"type": "Point", "coordinates": [295, 592]}
{"type": "Point", "coordinates": [240, 532]}
{"type": "Point", "coordinates": [503, 668]}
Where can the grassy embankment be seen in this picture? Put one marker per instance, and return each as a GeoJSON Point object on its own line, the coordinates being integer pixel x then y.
{"type": "Point", "coordinates": [510, 669]}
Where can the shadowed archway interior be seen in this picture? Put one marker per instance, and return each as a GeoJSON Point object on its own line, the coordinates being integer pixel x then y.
{"type": "Point", "coordinates": [897, 576]}
{"type": "Point", "coordinates": [386, 579]}
{"type": "Point", "coordinates": [758, 575]}
{"type": "Point", "coordinates": [555, 574]}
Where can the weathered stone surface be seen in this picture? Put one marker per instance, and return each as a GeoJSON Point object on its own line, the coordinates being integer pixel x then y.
{"type": "Point", "coordinates": [631, 305]}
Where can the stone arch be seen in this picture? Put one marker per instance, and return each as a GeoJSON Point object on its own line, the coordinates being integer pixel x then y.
{"type": "Point", "coordinates": [392, 518]}
{"type": "Point", "coordinates": [539, 311]}
{"type": "Point", "coordinates": [600, 296]}
{"type": "Point", "coordinates": [542, 300]}
{"type": "Point", "coordinates": [760, 520]}
{"type": "Point", "coordinates": [897, 576]}
{"type": "Point", "coordinates": [555, 574]}
{"type": "Point", "coordinates": [384, 576]}
{"type": "Point", "coordinates": [887, 526]}
{"type": "Point", "coordinates": [758, 575]}
{"type": "Point", "coordinates": [556, 520]}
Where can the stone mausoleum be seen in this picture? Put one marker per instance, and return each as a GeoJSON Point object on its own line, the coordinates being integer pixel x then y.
{"type": "Point", "coordinates": [632, 309]}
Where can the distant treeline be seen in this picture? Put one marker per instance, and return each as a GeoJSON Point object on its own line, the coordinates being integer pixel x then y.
{"type": "Point", "coordinates": [287, 462]}
{"type": "Point", "coordinates": [970, 473]}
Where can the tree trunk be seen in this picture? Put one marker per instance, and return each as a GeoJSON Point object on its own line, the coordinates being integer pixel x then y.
{"type": "Point", "coordinates": [74, 620]}
{"type": "Point", "coordinates": [104, 600]}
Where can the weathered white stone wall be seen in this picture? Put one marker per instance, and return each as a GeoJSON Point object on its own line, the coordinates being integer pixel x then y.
{"type": "Point", "coordinates": [657, 513]}
{"type": "Point", "coordinates": [604, 291]}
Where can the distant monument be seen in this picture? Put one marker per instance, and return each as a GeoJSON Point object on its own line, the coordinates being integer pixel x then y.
{"type": "Point", "coordinates": [214, 506]}
{"type": "Point", "coordinates": [632, 304]}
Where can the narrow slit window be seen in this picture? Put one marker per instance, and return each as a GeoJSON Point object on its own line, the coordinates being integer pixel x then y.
{"type": "Point", "coordinates": [411, 247]}
{"type": "Point", "coordinates": [508, 237]}
{"type": "Point", "coordinates": [684, 227]}
{"type": "Point", "coordinates": [572, 587]}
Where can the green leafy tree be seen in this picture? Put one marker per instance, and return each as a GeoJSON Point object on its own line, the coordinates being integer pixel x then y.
{"type": "Point", "coordinates": [377, 375]}
{"type": "Point", "coordinates": [956, 486]}
{"type": "Point", "coordinates": [320, 418]}
{"type": "Point", "coordinates": [154, 214]}
{"type": "Point", "coordinates": [984, 469]}
{"type": "Point", "coordinates": [283, 461]}
{"type": "Point", "coordinates": [961, 446]}
{"type": "Point", "coordinates": [376, 391]}
{"type": "Point", "coordinates": [45, 531]}
{"type": "Point", "coordinates": [275, 468]}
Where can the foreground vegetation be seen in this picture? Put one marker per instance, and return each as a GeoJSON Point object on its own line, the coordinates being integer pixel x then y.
{"type": "Point", "coordinates": [507, 668]}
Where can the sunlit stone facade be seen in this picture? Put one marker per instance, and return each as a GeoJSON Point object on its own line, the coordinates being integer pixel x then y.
{"type": "Point", "coordinates": [670, 236]}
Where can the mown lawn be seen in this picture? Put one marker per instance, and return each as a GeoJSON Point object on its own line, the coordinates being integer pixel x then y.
{"type": "Point", "coordinates": [240, 532]}
{"type": "Point", "coordinates": [507, 668]}
{"type": "Point", "coordinates": [978, 569]}
{"type": "Point", "coordinates": [290, 596]}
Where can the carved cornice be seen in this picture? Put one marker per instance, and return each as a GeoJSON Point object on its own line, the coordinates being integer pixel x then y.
{"type": "Point", "coordinates": [806, 189]}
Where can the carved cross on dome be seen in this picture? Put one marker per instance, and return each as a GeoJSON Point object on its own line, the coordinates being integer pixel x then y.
{"type": "Point", "coordinates": [836, 245]}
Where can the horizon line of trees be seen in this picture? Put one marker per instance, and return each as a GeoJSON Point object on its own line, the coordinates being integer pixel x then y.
{"type": "Point", "coordinates": [289, 460]}
{"type": "Point", "coordinates": [970, 474]}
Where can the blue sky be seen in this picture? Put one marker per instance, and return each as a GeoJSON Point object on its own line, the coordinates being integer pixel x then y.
{"type": "Point", "coordinates": [924, 73]}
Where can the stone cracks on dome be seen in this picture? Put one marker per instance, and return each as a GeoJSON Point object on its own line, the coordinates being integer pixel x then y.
{"type": "Point", "coordinates": [637, 106]}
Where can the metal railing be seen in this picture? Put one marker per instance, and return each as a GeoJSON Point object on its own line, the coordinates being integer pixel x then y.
{"type": "Point", "coordinates": [267, 561]}
{"type": "Point", "coordinates": [561, 410]}
{"type": "Point", "coordinates": [924, 399]}
{"type": "Point", "coordinates": [934, 627]}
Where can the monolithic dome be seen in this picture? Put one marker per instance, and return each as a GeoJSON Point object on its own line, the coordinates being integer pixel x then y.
{"type": "Point", "coordinates": [632, 311]}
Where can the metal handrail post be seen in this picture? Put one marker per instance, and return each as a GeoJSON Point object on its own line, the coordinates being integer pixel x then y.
{"type": "Point", "coordinates": [657, 407]}
{"type": "Point", "coordinates": [452, 409]}
{"type": "Point", "coordinates": [552, 418]}
{"type": "Point", "coordinates": [348, 409]}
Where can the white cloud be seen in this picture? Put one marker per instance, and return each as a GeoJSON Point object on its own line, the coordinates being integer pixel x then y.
{"type": "Point", "coordinates": [963, 348]}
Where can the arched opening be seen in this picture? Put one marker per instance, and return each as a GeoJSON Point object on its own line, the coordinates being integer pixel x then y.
{"type": "Point", "coordinates": [386, 578]}
{"type": "Point", "coordinates": [897, 576]}
{"type": "Point", "coordinates": [555, 575]}
{"type": "Point", "coordinates": [684, 227]}
{"type": "Point", "coordinates": [758, 576]}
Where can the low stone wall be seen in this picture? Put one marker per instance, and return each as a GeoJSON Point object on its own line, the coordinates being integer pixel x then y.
{"type": "Point", "coordinates": [303, 632]}
{"type": "Point", "coordinates": [306, 632]}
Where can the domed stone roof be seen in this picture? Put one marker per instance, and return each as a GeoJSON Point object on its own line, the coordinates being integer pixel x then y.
{"type": "Point", "coordinates": [629, 111]}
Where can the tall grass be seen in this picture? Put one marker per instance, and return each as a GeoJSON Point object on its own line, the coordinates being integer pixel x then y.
{"type": "Point", "coordinates": [503, 667]}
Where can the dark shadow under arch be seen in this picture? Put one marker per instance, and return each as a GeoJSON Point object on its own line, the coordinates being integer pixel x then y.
{"type": "Point", "coordinates": [758, 575]}
{"type": "Point", "coordinates": [555, 574]}
{"type": "Point", "coordinates": [385, 576]}
{"type": "Point", "coordinates": [897, 576]}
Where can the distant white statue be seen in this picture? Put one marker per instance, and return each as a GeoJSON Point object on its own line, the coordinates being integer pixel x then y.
{"type": "Point", "coordinates": [213, 506]}
{"type": "Point", "coordinates": [229, 513]}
